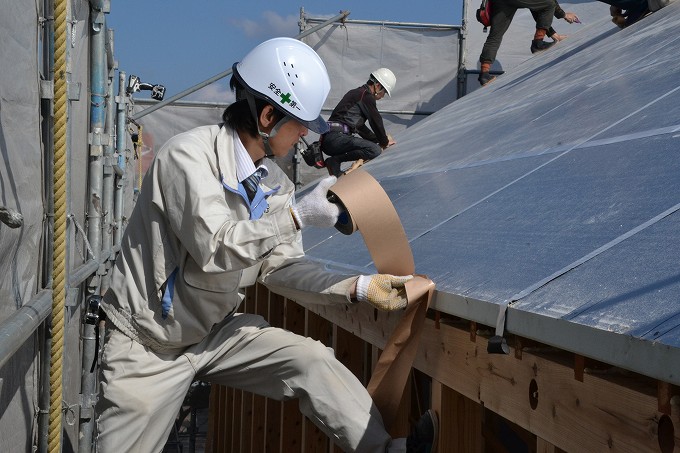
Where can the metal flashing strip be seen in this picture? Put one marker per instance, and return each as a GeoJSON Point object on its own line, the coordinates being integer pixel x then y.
{"type": "Point", "coordinates": [497, 344]}
{"type": "Point", "coordinates": [503, 307]}
{"type": "Point", "coordinates": [477, 310]}
{"type": "Point", "coordinates": [648, 358]}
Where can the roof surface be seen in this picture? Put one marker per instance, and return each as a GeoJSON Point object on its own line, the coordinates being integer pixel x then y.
{"type": "Point", "coordinates": [555, 188]}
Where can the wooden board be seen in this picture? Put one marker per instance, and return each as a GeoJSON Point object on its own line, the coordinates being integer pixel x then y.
{"type": "Point", "coordinates": [602, 413]}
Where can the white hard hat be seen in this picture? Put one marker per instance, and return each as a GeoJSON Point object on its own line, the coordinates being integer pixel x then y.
{"type": "Point", "coordinates": [386, 79]}
{"type": "Point", "coordinates": [291, 76]}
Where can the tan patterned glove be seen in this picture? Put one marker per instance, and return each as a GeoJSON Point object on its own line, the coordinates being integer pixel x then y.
{"type": "Point", "coordinates": [383, 291]}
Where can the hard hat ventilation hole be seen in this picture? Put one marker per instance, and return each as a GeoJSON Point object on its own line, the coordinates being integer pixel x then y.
{"type": "Point", "coordinates": [292, 66]}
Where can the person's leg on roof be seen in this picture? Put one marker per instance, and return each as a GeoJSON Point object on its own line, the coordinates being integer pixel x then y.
{"type": "Point", "coordinates": [543, 12]}
{"type": "Point", "coordinates": [537, 44]}
{"type": "Point", "coordinates": [347, 148]}
{"type": "Point", "coordinates": [501, 18]}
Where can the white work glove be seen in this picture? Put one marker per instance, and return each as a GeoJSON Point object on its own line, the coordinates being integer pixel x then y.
{"type": "Point", "coordinates": [315, 209]}
{"type": "Point", "coordinates": [384, 291]}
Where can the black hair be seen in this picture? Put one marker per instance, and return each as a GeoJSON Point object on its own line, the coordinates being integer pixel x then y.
{"type": "Point", "coordinates": [238, 115]}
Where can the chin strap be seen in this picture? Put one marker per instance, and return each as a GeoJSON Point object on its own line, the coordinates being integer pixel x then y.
{"type": "Point", "coordinates": [268, 152]}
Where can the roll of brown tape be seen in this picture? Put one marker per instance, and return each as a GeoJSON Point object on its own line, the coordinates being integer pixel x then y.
{"type": "Point", "coordinates": [371, 213]}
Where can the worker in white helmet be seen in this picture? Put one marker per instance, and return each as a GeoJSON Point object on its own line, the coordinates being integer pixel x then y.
{"type": "Point", "coordinates": [349, 138]}
{"type": "Point", "coordinates": [214, 214]}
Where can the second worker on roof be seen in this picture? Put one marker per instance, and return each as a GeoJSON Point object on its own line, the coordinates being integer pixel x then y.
{"type": "Point", "coordinates": [349, 118]}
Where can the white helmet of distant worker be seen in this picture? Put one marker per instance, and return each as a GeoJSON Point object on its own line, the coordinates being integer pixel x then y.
{"type": "Point", "coordinates": [291, 76]}
{"type": "Point", "coordinates": [386, 78]}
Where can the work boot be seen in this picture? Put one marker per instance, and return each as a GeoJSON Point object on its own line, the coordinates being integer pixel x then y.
{"type": "Point", "coordinates": [485, 77]}
{"type": "Point", "coordinates": [538, 45]}
{"type": "Point", "coordinates": [619, 20]}
{"type": "Point", "coordinates": [333, 166]}
{"type": "Point", "coordinates": [423, 438]}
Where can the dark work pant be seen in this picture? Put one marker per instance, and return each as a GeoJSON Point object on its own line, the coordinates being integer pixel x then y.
{"type": "Point", "coordinates": [634, 9]}
{"type": "Point", "coordinates": [346, 147]}
{"type": "Point", "coordinates": [502, 12]}
{"type": "Point", "coordinates": [627, 4]}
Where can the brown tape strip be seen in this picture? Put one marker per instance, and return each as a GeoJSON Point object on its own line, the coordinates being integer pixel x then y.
{"type": "Point", "coordinates": [373, 214]}
{"type": "Point", "coordinates": [391, 373]}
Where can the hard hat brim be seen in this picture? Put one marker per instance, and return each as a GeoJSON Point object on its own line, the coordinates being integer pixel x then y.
{"type": "Point", "coordinates": [319, 125]}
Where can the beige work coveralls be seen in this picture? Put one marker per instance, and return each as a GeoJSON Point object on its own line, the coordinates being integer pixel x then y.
{"type": "Point", "coordinates": [187, 219]}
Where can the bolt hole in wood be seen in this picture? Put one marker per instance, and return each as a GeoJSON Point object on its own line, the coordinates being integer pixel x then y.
{"type": "Point", "coordinates": [666, 434]}
{"type": "Point", "coordinates": [533, 394]}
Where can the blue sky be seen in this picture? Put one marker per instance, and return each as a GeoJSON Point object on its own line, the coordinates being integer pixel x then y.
{"type": "Point", "coordinates": [182, 43]}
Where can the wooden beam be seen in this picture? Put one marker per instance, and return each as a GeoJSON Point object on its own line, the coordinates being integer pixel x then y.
{"type": "Point", "coordinates": [401, 426]}
{"type": "Point", "coordinates": [259, 403]}
{"type": "Point", "coordinates": [216, 421]}
{"type": "Point", "coordinates": [246, 416]}
{"type": "Point", "coordinates": [664, 395]}
{"type": "Point", "coordinates": [236, 425]}
{"type": "Point", "coordinates": [579, 367]}
{"type": "Point", "coordinates": [272, 439]}
{"type": "Point", "coordinates": [562, 402]}
{"type": "Point", "coordinates": [349, 350]}
{"type": "Point", "coordinates": [602, 413]}
{"type": "Point", "coordinates": [543, 446]}
{"type": "Point", "coordinates": [291, 428]}
{"type": "Point", "coordinates": [460, 420]}
{"type": "Point", "coordinates": [320, 329]}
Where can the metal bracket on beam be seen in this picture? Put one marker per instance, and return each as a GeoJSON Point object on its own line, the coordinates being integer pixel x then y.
{"type": "Point", "coordinates": [72, 296]}
{"type": "Point", "coordinates": [498, 344]}
{"type": "Point", "coordinates": [99, 138]}
{"type": "Point", "coordinates": [74, 91]}
{"type": "Point", "coordinates": [122, 100]}
{"type": "Point", "coordinates": [46, 89]}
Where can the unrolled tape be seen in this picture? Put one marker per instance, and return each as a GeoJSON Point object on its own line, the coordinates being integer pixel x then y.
{"type": "Point", "coordinates": [370, 211]}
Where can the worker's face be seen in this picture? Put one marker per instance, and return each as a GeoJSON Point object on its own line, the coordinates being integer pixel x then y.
{"type": "Point", "coordinates": [379, 92]}
{"type": "Point", "coordinates": [288, 134]}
